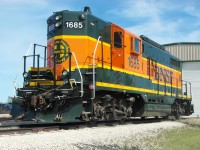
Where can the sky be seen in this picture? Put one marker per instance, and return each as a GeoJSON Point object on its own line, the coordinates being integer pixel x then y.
{"type": "Point", "coordinates": [24, 22]}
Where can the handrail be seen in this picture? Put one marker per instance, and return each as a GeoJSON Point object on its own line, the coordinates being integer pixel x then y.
{"type": "Point", "coordinates": [188, 92]}
{"type": "Point", "coordinates": [79, 74]}
{"type": "Point", "coordinates": [38, 56]}
{"type": "Point", "coordinates": [93, 61]}
{"type": "Point", "coordinates": [45, 53]}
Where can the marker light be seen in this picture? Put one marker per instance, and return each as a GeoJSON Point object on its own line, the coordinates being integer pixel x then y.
{"type": "Point", "coordinates": [91, 87]}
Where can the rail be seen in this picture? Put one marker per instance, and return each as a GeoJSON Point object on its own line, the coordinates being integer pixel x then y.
{"type": "Point", "coordinates": [93, 66]}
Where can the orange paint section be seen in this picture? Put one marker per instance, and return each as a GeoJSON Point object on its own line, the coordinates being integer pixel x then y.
{"type": "Point", "coordinates": [129, 58]}
{"type": "Point", "coordinates": [83, 49]}
{"type": "Point", "coordinates": [126, 58]}
{"type": "Point", "coordinates": [117, 38]}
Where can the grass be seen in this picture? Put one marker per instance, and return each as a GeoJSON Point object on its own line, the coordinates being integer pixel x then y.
{"type": "Point", "coordinates": [185, 138]}
{"type": "Point", "coordinates": [182, 139]}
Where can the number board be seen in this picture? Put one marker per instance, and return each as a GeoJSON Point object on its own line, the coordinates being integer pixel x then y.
{"type": "Point", "coordinates": [133, 62]}
{"type": "Point", "coordinates": [74, 25]}
{"type": "Point", "coordinates": [51, 27]}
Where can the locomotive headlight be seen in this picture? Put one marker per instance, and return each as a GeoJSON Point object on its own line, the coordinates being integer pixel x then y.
{"type": "Point", "coordinates": [58, 17]}
{"type": "Point", "coordinates": [58, 24]}
{"type": "Point", "coordinates": [25, 74]}
{"type": "Point", "coordinates": [64, 73]}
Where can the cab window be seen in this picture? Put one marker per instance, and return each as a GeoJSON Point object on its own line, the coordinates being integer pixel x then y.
{"type": "Point", "coordinates": [131, 43]}
{"type": "Point", "coordinates": [118, 39]}
{"type": "Point", "coordinates": [137, 45]}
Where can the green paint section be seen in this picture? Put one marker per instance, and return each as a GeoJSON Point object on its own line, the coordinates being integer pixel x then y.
{"type": "Point", "coordinates": [79, 23]}
{"type": "Point", "coordinates": [97, 27]}
{"type": "Point", "coordinates": [160, 56]}
{"type": "Point", "coordinates": [70, 111]}
{"type": "Point", "coordinates": [46, 117]}
{"type": "Point", "coordinates": [124, 79]}
{"type": "Point", "coordinates": [156, 110]}
{"type": "Point", "coordinates": [154, 98]}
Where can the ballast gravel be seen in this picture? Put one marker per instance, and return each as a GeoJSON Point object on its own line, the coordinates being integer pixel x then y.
{"type": "Point", "coordinates": [130, 136]}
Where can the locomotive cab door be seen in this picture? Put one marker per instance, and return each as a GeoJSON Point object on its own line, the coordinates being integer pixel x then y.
{"type": "Point", "coordinates": [117, 38]}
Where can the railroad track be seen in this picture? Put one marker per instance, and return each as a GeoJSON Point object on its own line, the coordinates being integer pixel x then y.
{"type": "Point", "coordinates": [21, 127]}
{"type": "Point", "coordinates": [33, 126]}
{"type": "Point", "coordinates": [19, 130]}
{"type": "Point", "coordinates": [5, 119]}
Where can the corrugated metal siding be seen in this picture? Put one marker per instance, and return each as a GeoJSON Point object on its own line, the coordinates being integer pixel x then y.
{"type": "Point", "coordinates": [185, 52]}
{"type": "Point", "coordinates": [191, 73]}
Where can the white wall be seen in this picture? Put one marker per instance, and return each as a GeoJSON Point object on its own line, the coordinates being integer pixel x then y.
{"type": "Point", "coordinates": [191, 73]}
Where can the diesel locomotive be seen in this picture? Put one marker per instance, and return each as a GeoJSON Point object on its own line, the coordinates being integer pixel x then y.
{"type": "Point", "coordinates": [92, 69]}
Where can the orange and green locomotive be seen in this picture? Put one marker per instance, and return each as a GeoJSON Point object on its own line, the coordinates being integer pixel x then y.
{"type": "Point", "coordinates": [94, 69]}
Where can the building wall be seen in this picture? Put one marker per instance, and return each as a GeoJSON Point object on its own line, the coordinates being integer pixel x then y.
{"type": "Point", "coordinates": [189, 53]}
{"type": "Point", "coordinates": [191, 73]}
{"type": "Point", "coordinates": [185, 51]}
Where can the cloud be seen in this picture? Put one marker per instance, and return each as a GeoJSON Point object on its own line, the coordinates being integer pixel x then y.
{"type": "Point", "coordinates": [149, 9]}
{"type": "Point", "coordinates": [193, 11]}
{"type": "Point", "coordinates": [161, 21]}
{"type": "Point", "coordinates": [167, 31]}
{"type": "Point", "coordinates": [158, 31]}
{"type": "Point", "coordinates": [194, 36]}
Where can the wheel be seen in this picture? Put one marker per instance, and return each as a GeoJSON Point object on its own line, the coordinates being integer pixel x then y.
{"type": "Point", "coordinates": [109, 116]}
{"type": "Point", "coordinates": [122, 121]}
{"type": "Point", "coordinates": [92, 122]}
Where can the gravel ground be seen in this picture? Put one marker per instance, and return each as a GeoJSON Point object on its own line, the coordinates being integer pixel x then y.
{"type": "Point", "coordinates": [194, 121]}
{"type": "Point", "coordinates": [129, 136]}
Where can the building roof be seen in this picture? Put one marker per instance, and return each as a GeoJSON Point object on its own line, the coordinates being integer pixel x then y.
{"type": "Point", "coordinates": [185, 51]}
{"type": "Point", "coordinates": [183, 43]}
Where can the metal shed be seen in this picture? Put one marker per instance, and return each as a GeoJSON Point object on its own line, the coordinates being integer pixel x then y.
{"type": "Point", "coordinates": [189, 54]}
